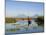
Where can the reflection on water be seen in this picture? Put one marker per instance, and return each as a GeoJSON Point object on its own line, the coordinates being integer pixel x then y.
{"type": "Point", "coordinates": [22, 27]}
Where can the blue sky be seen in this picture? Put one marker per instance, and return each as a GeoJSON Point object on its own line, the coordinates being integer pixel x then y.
{"type": "Point", "coordinates": [15, 8]}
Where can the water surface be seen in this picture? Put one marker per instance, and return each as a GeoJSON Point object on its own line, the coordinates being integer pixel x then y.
{"type": "Point", "coordinates": [22, 27]}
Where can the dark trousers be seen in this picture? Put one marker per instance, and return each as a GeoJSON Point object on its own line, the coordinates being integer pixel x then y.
{"type": "Point", "coordinates": [29, 22]}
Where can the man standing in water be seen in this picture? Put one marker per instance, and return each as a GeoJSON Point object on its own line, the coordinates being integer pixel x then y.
{"type": "Point", "coordinates": [29, 22]}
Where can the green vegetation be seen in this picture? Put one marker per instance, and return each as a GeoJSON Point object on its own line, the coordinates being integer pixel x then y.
{"type": "Point", "coordinates": [10, 20]}
{"type": "Point", "coordinates": [40, 20]}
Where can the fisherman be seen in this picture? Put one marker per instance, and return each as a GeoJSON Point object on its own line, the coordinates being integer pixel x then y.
{"type": "Point", "coordinates": [29, 22]}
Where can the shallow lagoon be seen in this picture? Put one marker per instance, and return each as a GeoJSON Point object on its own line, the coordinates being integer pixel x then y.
{"type": "Point", "coordinates": [22, 27]}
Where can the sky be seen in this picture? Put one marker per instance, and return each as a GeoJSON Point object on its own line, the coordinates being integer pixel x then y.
{"type": "Point", "coordinates": [17, 8]}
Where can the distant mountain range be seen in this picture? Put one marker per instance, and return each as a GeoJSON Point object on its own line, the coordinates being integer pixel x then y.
{"type": "Point", "coordinates": [24, 16]}
{"type": "Point", "coordinates": [21, 16]}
